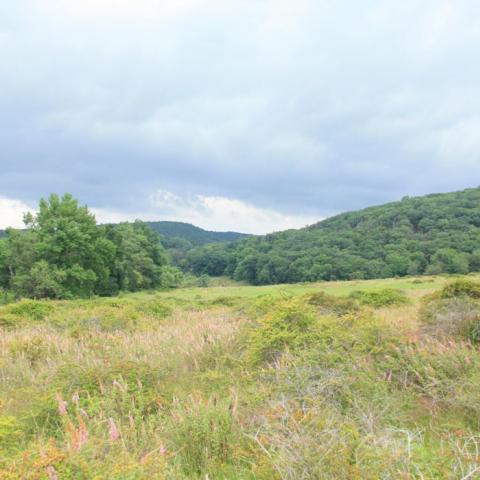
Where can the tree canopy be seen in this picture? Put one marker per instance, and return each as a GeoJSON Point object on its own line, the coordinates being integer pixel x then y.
{"type": "Point", "coordinates": [433, 234]}
{"type": "Point", "coordinates": [62, 253]}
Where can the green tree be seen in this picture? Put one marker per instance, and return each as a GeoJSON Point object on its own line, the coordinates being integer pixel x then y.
{"type": "Point", "coordinates": [67, 238]}
{"type": "Point", "coordinates": [139, 256]}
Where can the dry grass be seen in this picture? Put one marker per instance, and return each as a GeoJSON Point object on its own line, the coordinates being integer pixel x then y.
{"type": "Point", "coordinates": [140, 388]}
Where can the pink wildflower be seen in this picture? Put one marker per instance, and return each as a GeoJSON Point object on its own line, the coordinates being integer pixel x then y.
{"type": "Point", "coordinates": [62, 405]}
{"type": "Point", "coordinates": [52, 473]}
{"type": "Point", "coordinates": [114, 433]}
{"type": "Point", "coordinates": [82, 434]}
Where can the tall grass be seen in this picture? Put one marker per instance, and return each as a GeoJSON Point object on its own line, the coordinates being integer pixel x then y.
{"type": "Point", "coordinates": [292, 386]}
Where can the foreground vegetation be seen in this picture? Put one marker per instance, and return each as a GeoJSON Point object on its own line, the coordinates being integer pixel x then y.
{"type": "Point", "coordinates": [345, 380]}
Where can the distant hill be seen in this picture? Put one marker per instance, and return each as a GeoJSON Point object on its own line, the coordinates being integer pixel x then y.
{"type": "Point", "coordinates": [433, 234]}
{"type": "Point", "coordinates": [195, 235]}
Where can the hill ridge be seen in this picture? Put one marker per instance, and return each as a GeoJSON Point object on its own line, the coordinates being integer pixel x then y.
{"type": "Point", "coordinates": [430, 234]}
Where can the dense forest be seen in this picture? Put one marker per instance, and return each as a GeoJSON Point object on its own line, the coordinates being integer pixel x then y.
{"type": "Point", "coordinates": [195, 236]}
{"type": "Point", "coordinates": [185, 234]}
{"type": "Point", "coordinates": [433, 234]}
{"type": "Point", "coordinates": [63, 253]}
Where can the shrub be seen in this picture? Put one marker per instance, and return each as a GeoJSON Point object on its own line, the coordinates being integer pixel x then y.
{"type": "Point", "coordinates": [10, 432]}
{"type": "Point", "coordinates": [32, 349]}
{"type": "Point", "coordinates": [380, 298]}
{"type": "Point", "coordinates": [328, 304]}
{"type": "Point", "coordinates": [288, 326]}
{"type": "Point", "coordinates": [156, 309]}
{"type": "Point", "coordinates": [31, 309]}
{"type": "Point", "coordinates": [461, 288]}
{"type": "Point", "coordinates": [203, 281]}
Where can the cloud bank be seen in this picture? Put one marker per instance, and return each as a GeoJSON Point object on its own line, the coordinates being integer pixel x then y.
{"type": "Point", "coordinates": [256, 115]}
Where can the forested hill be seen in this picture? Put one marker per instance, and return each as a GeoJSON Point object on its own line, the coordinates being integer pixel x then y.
{"type": "Point", "coordinates": [195, 235]}
{"type": "Point", "coordinates": [433, 234]}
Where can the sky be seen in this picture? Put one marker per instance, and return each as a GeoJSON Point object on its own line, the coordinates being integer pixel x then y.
{"type": "Point", "coordinates": [244, 115]}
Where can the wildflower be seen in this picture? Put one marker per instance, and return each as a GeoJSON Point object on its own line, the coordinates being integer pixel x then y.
{"type": "Point", "coordinates": [76, 398]}
{"type": "Point", "coordinates": [82, 434]}
{"type": "Point", "coordinates": [117, 384]}
{"type": "Point", "coordinates": [52, 473]}
{"type": "Point", "coordinates": [114, 433]}
{"type": "Point", "coordinates": [62, 405]}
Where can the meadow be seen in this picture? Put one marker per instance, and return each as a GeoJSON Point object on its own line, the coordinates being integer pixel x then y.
{"type": "Point", "coordinates": [371, 379]}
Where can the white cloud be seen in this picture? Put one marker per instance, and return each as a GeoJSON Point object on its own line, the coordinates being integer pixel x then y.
{"type": "Point", "coordinates": [209, 212]}
{"type": "Point", "coordinates": [280, 105]}
{"type": "Point", "coordinates": [11, 212]}
{"type": "Point", "coordinates": [224, 214]}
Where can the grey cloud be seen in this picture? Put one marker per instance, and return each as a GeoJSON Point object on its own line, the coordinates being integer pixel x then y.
{"type": "Point", "coordinates": [307, 107]}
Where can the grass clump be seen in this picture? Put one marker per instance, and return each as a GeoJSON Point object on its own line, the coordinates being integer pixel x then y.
{"type": "Point", "coordinates": [205, 434]}
{"type": "Point", "coordinates": [453, 312]}
{"type": "Point", "coordinates": [452, 318]}
{"type": "Point", "coordinates": [386, 297]}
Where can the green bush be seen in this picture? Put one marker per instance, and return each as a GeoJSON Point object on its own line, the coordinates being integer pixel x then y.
{"type": "Point", "coordinates": [11, 431]}
{"type": "Point", "coordinates": [380, 298]}
{"type": "Point", "coordinates": [156, 309]}
{"type": "Point", "coordinates": [461, 288]}
{"type": "Point", "coordinates": [31, 309]}
{"type": "Point", "coordinates": [288, 326]}
{"type": "Point", "coordinates": [328, 304]}
{"type": "Point", "coordinates": [32, 349]}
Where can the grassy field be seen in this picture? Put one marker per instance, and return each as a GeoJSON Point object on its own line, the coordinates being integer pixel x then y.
{"type": "Point", "coordinates": [340, 380]}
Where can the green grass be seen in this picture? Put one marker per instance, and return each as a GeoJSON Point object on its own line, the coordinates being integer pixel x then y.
{"type": "Point", "coordinates": [242, 382]}
{"type": "Point", "coordinates": [341, 288]}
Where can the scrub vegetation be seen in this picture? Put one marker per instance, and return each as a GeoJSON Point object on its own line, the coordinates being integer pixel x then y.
{"type": "Point", "coordinates": [340, 380]}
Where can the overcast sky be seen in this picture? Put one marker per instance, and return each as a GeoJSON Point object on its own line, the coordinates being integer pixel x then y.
{"type": "Point", "coordinates": [249, 115]}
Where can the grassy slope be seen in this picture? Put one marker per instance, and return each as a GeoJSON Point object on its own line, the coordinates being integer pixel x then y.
{"type": "Point", "coordinates": [174, 385]}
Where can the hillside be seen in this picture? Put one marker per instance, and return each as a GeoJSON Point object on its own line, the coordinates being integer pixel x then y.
{"type": "Point", "coordinates": [195, 235]}
{"type": "Point", "coordinates": [433, 234]}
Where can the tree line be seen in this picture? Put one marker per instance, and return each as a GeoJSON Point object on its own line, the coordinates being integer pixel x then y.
{"type": "Point", "coordinates": [63, 253]}
{"type": "Point", "coordinates": [433, 234]}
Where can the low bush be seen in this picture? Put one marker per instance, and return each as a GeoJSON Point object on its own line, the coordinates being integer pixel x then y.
{"type": "Point", "coordinates": [380, 298]}
{"type": "Point", "coordinates": [156, 309]}
{"type": "Point", "coordinates": [11, 431]}
{"type": "Point", "coordinates": [461, 288]}
{"type": "Point", "coordinates": [32, 349]}
{"type": "Point", "coordinates": [289, 325]}
{"type": "Point", "coordinates": [329, 304]}
{"type": "Point", "coordinates": [31, 309]}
